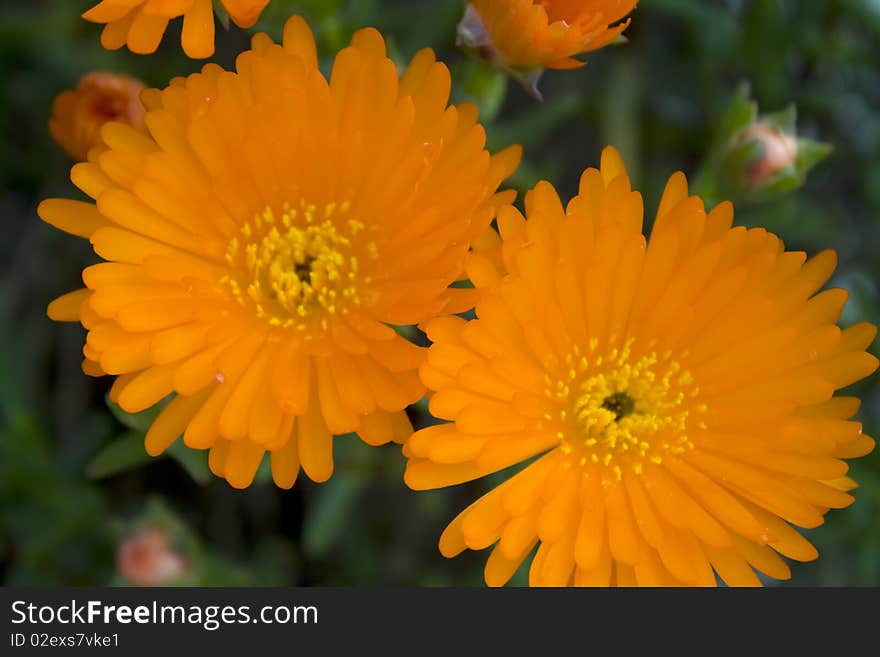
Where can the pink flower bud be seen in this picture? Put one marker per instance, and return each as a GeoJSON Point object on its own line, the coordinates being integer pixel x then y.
{"type": "Point", "coordinates": [146, 558]}
{"type": "Point", "coordinates": [778, 150]}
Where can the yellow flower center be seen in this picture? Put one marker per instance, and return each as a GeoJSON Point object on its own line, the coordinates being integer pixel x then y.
{"type": "Point", "coordinates": [620, 408]}
{"type": "Point", "coordinates": [299, 267]}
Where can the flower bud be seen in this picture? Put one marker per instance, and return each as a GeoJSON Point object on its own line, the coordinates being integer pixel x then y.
{"type": "Point", "coordinates": [146, 558]}
{"type": "Point", "coordinates": [79, 114]}
{"type": "Point", "coordinates": [777, 150]}
{"type": "Point", "coordinates": [757, 156]}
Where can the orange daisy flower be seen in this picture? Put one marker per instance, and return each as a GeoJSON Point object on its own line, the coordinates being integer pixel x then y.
{"type": "Point", "coordinates": [528, 36]}
{"type": "Point", "coordinates": [263, 239]}
{"type": "Point", "coordinates": [140, 24]}
{"type": "Point", "coordinates": [79, 114]}
{"type": "Point", "coordinates": [673, 402]}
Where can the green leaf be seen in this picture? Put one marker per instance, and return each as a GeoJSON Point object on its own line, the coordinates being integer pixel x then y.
{"type": "Point", "coordinates": [124, 453]}
{"type": "Point", "coordinates": [331, 509]}
{"type": "Point", "coordinates": [264, 472]}
{"type": "Point", "coordinates": [194, 461]}
{"type": "Point", "coordinates": [222, 14]}
{"type": "Point", "coordinates": [785, 120]}
{"type": "Point", "coordinates": [328, 515]}
{"type": "Point", "coordinates": [137, 421]}
{"type": "Point", "coordinates": [484, 85]}
{"type": "Point", "coordinates": [811, 153]}
{"type": "Point", "coordinates": [788, 180]}
{"type": "Point", "coordinates": [741, 113]}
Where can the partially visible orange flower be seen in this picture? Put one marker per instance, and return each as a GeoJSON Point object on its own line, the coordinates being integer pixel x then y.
{"type": "Point", "coordinates": [531, 35]}
{"type": "Point", "coordinates": [264, 238]}
{"type": "Point", "coordinates": [140, 24]}
{"type": "Point", "coordinates": [673, 401]}
{"type": "Point", "coordinates": [79, 114]}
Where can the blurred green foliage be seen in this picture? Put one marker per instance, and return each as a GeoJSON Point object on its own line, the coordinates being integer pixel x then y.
{"type": "Point", "coordinates": [73, 482]}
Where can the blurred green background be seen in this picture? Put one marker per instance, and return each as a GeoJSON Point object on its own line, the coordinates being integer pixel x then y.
{"type": "Point", "coordinates": [74, 481]}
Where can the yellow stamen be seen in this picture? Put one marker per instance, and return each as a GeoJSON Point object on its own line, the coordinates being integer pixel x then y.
{"type": "Point", "coordinates": [300, 267]}
{"type": "Point", "coordinates": [625, 407]}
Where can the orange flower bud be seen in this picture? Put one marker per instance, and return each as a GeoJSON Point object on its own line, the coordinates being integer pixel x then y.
{"type": "Point", "coordinates": [79, 114]}
{"type": "Point", "coordinates": [146, 558]}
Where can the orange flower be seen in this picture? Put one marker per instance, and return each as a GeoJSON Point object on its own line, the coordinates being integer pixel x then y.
{"type": "Point", "coordinates": [532, 35]}
{"type": "Point", "coordinates": [673, 402]}
{"type": "Point", "coordinates": [79, 114]}
{"type": "Point", "coordinates": [140, 24]}
{"type": "Point", "coordinates": [264, 237]}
